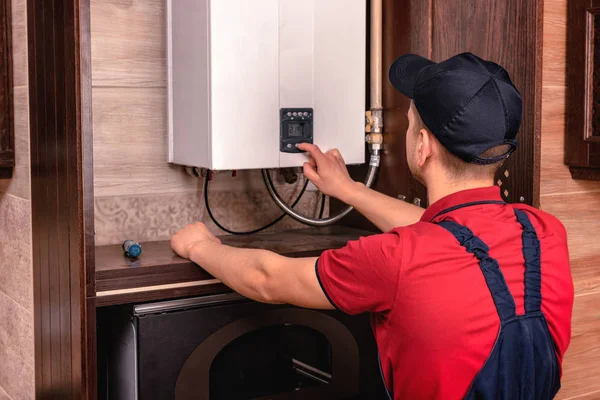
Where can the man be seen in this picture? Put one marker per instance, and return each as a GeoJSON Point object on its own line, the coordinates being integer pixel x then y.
{"type": "Point", "coordinates": [471, 298]}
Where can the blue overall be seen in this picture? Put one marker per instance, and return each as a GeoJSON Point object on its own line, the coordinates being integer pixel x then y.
{"type": "Point", "coordinates": [523, 363]}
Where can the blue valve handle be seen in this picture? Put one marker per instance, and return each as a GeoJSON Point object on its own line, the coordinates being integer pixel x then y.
{"type": "Point", "coordinates": [132, 249]}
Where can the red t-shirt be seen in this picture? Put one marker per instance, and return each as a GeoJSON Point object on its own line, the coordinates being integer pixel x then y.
{"type": "Point", "coordinates": [432, 313]}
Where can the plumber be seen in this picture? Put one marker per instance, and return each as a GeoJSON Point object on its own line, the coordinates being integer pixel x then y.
{"type": "Point", "coordinates": [470, 298]}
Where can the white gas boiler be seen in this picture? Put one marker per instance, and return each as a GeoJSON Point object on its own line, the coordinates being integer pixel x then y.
{"type": "Point", "coordinates": [250, 79]}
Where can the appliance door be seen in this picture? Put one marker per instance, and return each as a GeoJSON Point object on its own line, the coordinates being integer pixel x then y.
{"type": "Point", "coordinates": [225, 347]}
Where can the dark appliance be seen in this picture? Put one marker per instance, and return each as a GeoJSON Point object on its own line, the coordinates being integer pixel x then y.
{"type": "Point", "coordinates": [226, 347]}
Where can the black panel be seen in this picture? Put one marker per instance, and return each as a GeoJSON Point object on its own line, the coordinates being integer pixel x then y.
{"type": "Point", "coordinates": [270, 348]}
{"type": "Point", "coordinates": [296, 127]}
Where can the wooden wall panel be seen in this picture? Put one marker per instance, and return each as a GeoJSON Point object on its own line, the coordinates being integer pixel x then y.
{"type": "Point", "coordinates": [131, 170]}
{"type": "Point", "coordinates": [61, 194]}
{"type": "Point", "coordinates": [580, 214]}
{"type": "Point", "coordinates": [507, 32]}
{"type": "Point", "coordinates": [576, 204]}
{"type": "Point", "coordinates": [581, 153]}
{"type": "Point", "coordinates": [555, 43]}
{"type": "Point", "coordinates": [555, 177]}
{"type": "Point", "coordinates": [128, 43]}
{"type": "Point", "coordinates": [582, 361]}
{"type": "Point", "coordinates": [406, 29]}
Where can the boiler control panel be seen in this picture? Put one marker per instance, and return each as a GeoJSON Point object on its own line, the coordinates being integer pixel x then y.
{"type": "Point", "coordinates": [296, 127]}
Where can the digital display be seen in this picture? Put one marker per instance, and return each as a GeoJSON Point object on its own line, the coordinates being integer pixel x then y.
{"type": "Point", "coordinates": [295, 130]}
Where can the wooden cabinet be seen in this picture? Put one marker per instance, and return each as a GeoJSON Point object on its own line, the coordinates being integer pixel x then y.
{"type": "Point", "coordinates": [7, 140]}
{"type": "Point", "coordinates": [582, 141]}
{"type": "Point", "coordinates": [508, 32]}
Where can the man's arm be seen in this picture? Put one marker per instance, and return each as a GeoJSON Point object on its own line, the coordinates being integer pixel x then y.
{"type": "Point", "coordinates": [383, 211]}
{"type": "Point", "coordinates": [257, 274]}
{"type": "Point", "coordinates": [329, 173]}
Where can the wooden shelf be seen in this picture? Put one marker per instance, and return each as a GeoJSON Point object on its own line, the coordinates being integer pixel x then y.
{"type": "Point", "coordinates": [158, 273]}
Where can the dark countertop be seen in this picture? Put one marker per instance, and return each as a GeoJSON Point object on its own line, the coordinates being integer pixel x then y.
{"type": "Point", "coordinates": [117, 275]}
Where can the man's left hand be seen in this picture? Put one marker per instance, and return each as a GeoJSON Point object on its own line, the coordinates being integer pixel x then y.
{"type": "Point", "coordinates": [186, 239]}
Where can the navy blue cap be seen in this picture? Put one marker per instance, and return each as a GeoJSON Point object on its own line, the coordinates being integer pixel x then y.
{"type": "Point", "coordinates": [469, 104]}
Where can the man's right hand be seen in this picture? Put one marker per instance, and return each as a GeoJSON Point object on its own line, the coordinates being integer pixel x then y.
{"type": "Point", "coordinates": [328, 172]}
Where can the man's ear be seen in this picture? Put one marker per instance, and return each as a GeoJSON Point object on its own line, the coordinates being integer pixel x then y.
{"type": "Point", "coordinates": [424, 146]}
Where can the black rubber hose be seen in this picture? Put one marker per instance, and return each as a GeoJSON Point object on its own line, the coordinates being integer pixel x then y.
{"type": "Point", "coordinates": [262, 228]}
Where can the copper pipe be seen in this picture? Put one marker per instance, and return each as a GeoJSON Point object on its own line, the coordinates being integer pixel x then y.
{"type": "Point", "coordinates": [376, 54]}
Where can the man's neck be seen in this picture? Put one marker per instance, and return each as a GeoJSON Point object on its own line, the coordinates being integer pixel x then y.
{"type": "Point", "coordinates": [440, 190]}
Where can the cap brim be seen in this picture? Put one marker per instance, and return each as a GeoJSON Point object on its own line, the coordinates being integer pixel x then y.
{"type": "Point", "coordinates": [405, 71]}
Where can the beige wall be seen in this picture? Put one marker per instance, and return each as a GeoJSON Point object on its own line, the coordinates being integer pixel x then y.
{"type": "Point", "coordinates": [138, 194]}
{"type": "Point", "coordinates": [16, 280]}
{"type": "Point", "coordinates": [577, 204]}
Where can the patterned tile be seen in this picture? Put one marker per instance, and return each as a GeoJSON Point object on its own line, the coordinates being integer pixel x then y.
{"type": "Point", "coordinates": [158, 217]}
{"type": "Point", "coordinates": [144, 218]}
{"type": "Point", "coordinates": [16, 328]}
{"type": "Point", "coordinates": [4, 395]}
{"type": "Point", "coordinates": [15, 223]}
{"type": "Point", "coordinates": [16, 376]}
{"type": "Point", "coordinates": [16, 276]}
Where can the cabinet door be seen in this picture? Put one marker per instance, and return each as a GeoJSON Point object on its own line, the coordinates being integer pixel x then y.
{"type": "Point", "coordinates": [582, 141]}
{"type": "Point", "coordinates": [508, 32]}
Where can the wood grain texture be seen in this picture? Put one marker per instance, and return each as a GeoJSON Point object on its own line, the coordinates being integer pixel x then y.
{"type": "Point", "coordinates": [130, 126]}
{"type": "Point", "coordinates": [555, 43]}
{"type": "Point", "coordinates": [578, 151]}
{"type": "Point", "coordinates": [510, 33]}
{"type": "Point", "coordinates": [582, 360]}
{"type": "Point", "coordinates": [403, 32]}
{"type": "Point", "coordinates": [165, 292]}
{"type": "Point", "coordinates": [130, 148]}
{"type": "Point", "coordinates": [575, 203]}
{"type": "Point", "coordinates": [590, 174]}
{"type": "Point", "coordinates": [58, 36]}
{"type": "Point", "coordinates": [588, 396]}
{"type": "Point", "coordinates": [7, 139]}
{"type": "Point", "coordinates": [158, 264]}
{"type": "Point", "coordinates": [128, 43]}
{"type": "Point", "coordinates": [555, 176]}
{"type": "Point", "coordinates": [580, 214]}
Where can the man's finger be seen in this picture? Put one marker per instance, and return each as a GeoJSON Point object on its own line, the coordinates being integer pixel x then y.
{"type": "Point", "coordinates": [310, 173]}
{"type": "Point", "coordinates": [336, 154]}
{"type": "Point", "coordinates": [312, 149]}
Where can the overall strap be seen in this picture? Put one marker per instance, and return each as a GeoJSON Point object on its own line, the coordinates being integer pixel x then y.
{"type": "Point", "coordinates": [533, 273]}
{"type": "Point", "coordinates": [503, 299]}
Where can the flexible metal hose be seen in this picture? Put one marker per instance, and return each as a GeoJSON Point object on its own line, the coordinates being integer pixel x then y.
{"type": "Point", "coordinates": [373, 165]}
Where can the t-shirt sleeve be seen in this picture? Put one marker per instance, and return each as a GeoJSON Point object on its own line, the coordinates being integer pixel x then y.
{"type": "Point", "coordinates": [363, 275]}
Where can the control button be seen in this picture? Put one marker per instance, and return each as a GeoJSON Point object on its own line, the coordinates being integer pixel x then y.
{"type": "Point", "coordinates": [295, 114]}
{"type": "Point", "coordinates": [289, 146]}
{"type": "Point", "coordinates": [305, 114]}
{"type": "Point", "coordinates": [289, 114]}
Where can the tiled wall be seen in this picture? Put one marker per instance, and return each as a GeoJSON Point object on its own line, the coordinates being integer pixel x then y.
{"type": "Point", "coordinates": [16, 280]}
{"type": "Point", "coordinates": [138, 194]}
{"type": "Point", "coordinates": [577, 204]}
